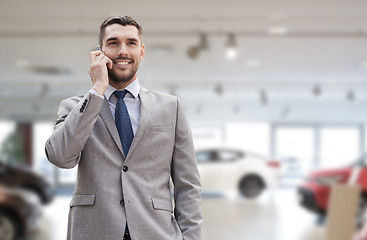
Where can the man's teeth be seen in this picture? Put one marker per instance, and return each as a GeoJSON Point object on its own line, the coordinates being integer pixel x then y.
{"type": "Point", "coordinates": [123, 63]}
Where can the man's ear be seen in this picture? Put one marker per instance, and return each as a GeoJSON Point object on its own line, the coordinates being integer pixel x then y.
{"type": "Point", "coordinates": [142, 52]}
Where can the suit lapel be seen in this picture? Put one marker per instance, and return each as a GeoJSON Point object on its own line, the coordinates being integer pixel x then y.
{"type": "Point", "coordinates": [108, 119]}
{"type": "Point", "coordinates": [145, 110]}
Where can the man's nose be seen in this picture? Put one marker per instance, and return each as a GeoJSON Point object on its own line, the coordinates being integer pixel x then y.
{"type": "Point", "coordinates": [122, 49]}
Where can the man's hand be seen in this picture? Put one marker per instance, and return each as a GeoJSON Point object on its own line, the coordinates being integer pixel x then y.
{"type": "Point", "coordinates": [98, 63]}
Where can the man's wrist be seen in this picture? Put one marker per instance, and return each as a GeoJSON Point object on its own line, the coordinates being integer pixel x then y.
{"type": "Point", "coordinates": [100, 91]}
{"type": "Point", "coordinates": [94, 92]}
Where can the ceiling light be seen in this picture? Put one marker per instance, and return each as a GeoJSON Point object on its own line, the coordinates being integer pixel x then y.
{"type": "Point", "coordinates": [351, 96]}
{"type": "Point", "coordinates": [219, 89]}
{"type": "Point", "coordinates": [231, 47]}
{"type": "Point", "coordinates": [172, 90]}
{"type": "Point", "coordinates": [193, 52]}
{"type": "Point", "coordinates": [278, 30]}
{"type": "Point", "coordinates": [263, 97]}
{"type": "Point", "coordinates": [44, 90]}
{"type": "Point", "coordinates": [203, 44]}
{"type": "Point", "coordinates": [316, 91]}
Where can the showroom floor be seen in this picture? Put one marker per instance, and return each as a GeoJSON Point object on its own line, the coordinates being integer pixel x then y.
{"type": "Point", "coordinates": [274, 216]}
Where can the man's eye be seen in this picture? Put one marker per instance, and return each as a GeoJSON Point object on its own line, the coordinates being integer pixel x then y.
{"type": "Point", "coordinates": [112, 43]}
{"type": "Point", "coordinates": [132, 43]}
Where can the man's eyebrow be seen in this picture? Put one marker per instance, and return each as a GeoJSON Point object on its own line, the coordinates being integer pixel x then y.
{"type": "Point", "coordinates": [111, 39]}
{"type": "Point", "coordinates": [132, 40]}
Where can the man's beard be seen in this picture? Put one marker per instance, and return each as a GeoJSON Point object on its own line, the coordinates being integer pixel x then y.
{"type": "Point", "coordinates": [119, 79]}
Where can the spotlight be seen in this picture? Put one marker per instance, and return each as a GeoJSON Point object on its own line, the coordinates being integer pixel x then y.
{"type": "Point", "coordinates": [263, 97]}
{"type": "Point", "coordinates": [172, 89]}
{"type": "Point", "coordinates": [203, 44]}
{"type": "Point", "coordinates": [219, 89]}
{"type": "Point", "coordinates": [231, 47]}
{"type": "Point", "coordinates": [351, 96]}
{"type": "Point", "coordinates": [193, 52]}
{"type": "Point", "coordinates": [316, 91]}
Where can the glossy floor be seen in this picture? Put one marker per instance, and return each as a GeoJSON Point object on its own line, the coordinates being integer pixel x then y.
{"type": "Point", "coordinates": [275, 215]}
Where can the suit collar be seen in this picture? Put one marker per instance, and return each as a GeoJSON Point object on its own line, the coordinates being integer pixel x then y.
{"type": "Point", "coordinates": [108, 119]}
{"type": "Point", "coordinates": [145, 111]}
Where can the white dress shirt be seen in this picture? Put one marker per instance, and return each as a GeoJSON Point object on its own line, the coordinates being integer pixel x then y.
{"type": "Point", "coordinates": [132, 101]}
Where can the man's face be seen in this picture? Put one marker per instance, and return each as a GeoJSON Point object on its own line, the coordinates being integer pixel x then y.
{"type": "Point", "coordinates": [123, 46]}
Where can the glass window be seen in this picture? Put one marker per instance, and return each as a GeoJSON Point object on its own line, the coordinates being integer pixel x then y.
{"type": "Point", "coordinates": [203, 156]}
{"type": "Point", "coordinates": [41, 132]}
{"type": "Point", "coordinates": [207, 136]}
{"type": "Point", "coordinates": [252, 137]}
{"type": "Point", "coordinates": [295, 148]}
{"type": "Point", "coordinates": [5, 129]}
{"type": "Point", "coordinates": [361, 162]}
{"type": "Point", "coordinates": [339, 146]}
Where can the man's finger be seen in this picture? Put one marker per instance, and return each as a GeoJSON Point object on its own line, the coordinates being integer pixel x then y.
{"type": "Point", "coordinates": [107, 61]}
{"type": "Point", "coordinates": [93, 55]}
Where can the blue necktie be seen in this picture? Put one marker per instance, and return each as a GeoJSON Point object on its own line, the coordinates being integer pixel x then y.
{"type": "Point", "coordinates": [123, 122]}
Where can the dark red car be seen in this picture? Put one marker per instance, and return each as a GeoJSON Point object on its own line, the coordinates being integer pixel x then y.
{"type": "Point", "coordinates": [315, 191]}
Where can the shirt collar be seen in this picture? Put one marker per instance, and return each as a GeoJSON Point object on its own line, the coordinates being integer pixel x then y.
{"type": "Point", "coordinates": [133, 88]}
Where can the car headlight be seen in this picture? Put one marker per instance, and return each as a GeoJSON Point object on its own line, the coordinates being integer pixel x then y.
{"type": "Point", "coordinates": [329, 180]}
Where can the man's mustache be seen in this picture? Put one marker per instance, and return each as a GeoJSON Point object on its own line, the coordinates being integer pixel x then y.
{"type": "Point", "coordinates": [123, 58]}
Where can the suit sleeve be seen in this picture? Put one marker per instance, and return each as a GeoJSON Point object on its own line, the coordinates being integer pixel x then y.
{"type": "Point", "coordinates": [186, 180]}
{"type": "Point", "coordinates": [74, 124]}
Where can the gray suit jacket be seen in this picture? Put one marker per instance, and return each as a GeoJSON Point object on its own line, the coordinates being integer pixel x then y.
{"type": "Point", "coordinates": [112, 189]}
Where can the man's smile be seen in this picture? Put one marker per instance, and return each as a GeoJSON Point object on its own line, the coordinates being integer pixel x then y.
{"type": "Point", "coordinates": [122, 62]}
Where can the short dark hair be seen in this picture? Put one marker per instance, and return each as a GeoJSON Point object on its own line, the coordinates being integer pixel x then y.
{"type": "Point", "coordinates": [122, 20]}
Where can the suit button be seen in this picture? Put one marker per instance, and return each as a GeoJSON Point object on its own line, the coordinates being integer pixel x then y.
{"type": "Point", "coordinates": [122, 202]}
{"type": "Point", "coordinates": [81, 109]}
{"type": "Point", "coordinates": [125, 168]}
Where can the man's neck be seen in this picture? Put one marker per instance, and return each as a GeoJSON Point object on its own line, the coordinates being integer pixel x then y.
{"type": "Point", "coordinates": [121, 85]}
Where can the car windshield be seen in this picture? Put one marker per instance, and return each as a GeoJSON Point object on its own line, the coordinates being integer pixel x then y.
{"type": "Point", "coordinates": [361, 162]}
{"type": "Point", "coordinates": [218, 155]}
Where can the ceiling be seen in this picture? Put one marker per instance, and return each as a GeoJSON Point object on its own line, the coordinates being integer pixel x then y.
{"type": "Point", "coordinates": [297, 60]}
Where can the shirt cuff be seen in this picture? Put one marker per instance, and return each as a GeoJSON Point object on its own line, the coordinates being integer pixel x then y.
{"type": "Point", "coordinates": [92, 91]}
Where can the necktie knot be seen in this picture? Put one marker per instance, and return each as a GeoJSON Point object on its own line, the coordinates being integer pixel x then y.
{"type": "Point", "coordinates": [120, 94]}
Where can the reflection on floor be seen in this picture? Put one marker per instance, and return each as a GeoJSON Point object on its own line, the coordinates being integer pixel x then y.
{"type": "Point", "coordinates": [274, 216]}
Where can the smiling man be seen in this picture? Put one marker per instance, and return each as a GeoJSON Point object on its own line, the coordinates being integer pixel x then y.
{"type": "Point", "coordinates": [128, 142]}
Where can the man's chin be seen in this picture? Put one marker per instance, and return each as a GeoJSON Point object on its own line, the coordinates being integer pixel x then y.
{"type": "Point", "coordinates": [121, 79]}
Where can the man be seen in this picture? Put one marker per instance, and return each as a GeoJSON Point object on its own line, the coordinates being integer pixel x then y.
{"type": "Point", "coordinates": [127, 148]}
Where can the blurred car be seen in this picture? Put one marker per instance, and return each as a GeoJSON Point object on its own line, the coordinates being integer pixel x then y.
{"type": "Point", "coordinates": [16, 176]}
{"type": "Point", "coordinates": [315, 191]}
{"type": "Point", "coordinates": [20, 213]}
{"type": "Point", "coordinates": [226, 169]}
